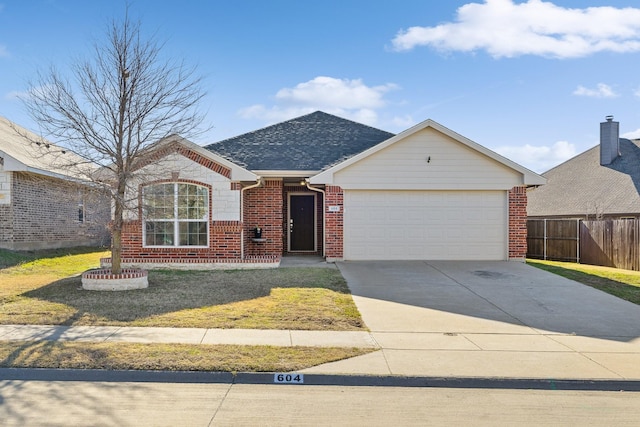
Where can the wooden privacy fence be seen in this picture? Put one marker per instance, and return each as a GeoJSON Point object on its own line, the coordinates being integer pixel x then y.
{"type": "Point", "coordinates": [609, 242]}
{"type": "Point", "coordinates": [555, 239]}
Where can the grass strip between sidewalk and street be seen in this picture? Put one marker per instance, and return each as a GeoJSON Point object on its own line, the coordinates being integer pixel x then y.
{"type": "Point", "coordinates": [623, 284]}
{"type": "Point", "coordinates": [167, 357]}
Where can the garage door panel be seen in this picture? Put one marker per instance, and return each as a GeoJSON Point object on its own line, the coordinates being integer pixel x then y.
{"type": "Point", "coordinates": [425, 225]}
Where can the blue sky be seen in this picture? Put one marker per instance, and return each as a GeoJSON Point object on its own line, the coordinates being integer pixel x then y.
{"type": "Point", "coordinates": [528, 79]}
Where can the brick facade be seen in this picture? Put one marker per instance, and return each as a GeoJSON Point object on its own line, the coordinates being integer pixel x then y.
{"type": "Point", "coordinates": [43, 214]}
{"type": "Point", "coordinates": [224, 244]}
{"type": "Point", "coordinates": [6, 226]}
{"type": "Point", "coordinates": [266, 206]}
{"type": "Point", "coordinates": [334, 223]}
{"type": "Point", "coordinates": [262, 207]}
{"type": "Point", "coordinates": [518, 223]}
{"type": "Point", "coordinates": [226, 230]}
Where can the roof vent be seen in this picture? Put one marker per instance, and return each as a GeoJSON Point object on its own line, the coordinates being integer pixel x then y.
{"type": "Point", "coordinates": [609, 141]}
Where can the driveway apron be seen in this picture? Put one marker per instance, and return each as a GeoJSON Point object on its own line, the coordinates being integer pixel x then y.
{"type": "Point", "coordinates": [496, 319]}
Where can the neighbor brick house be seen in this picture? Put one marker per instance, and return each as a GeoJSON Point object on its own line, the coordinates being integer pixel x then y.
{"type": "Point", "coordinates": [323, 185]}
{"type": "Point", "coordinates": [42, 205]}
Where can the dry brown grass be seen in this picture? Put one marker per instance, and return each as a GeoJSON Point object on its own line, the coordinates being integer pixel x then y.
{"type": "Point", "coordinates": [45, 288]}
{"type": "Point", "coordinates": [172, 357]}
{"type": "Point", "coordinates": [41, 292]}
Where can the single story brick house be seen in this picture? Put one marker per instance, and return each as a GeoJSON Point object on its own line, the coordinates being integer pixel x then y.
{"type": "Point", "coordinates": [323, 185]}
{"type": "Point", "coordinates": [42, 204]}
{"type": "Point", "coordinates": [600, 183]}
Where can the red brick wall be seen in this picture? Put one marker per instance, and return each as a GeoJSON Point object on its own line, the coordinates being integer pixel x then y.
{"type": "Point", "coordinates": [224, 244]}
{"type": "Point", "coordinates": [518, 223]}
{"type": "Point", "coordinates": [224, 240]}
{"type": "Point", "coordinates": [263, 208]}
{"type": "Point", "coordinates": [334, 222]}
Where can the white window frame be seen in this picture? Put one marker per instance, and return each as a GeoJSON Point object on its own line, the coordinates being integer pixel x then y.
{"type": "Point", "coordinates": [176, 221]}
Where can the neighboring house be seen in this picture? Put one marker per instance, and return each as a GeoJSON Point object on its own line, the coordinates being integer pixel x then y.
{"type": "Point", "coordinates": [601, 183]}
{"type": "Point", "coordinates": [327, 186]}
{"type": "Point", "coordinates": [41, 204]}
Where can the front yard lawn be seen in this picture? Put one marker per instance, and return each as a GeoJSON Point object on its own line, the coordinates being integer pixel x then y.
{"type": "Point", "coordinates": [44, 288]}
{"type": "Point", "coordinates": [47, 291]}
{"type": "Point", "coordinates": [624, 284]}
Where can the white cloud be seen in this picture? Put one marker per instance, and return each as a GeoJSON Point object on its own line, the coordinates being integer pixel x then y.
{"type": "Point", "coordinates": [14, 95]}
{"type": "Point", "coordinates": [403, 122]}
{"type": "Point", "coordinates": [632, 135]}
{"type": "Point", "coordinates": [343, 97]}
{"type": "Point", "coordinates": [539, 158]}
{"type": "Point", "coordinates": [601, 91]}
{"type": "Point", "coordinates": [331, 92]}
{"type": "Point", "coordinates": [506, 29]}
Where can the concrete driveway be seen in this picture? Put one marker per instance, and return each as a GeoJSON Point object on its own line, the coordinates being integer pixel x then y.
{"type": "Point", "coordinates": [489, 319]}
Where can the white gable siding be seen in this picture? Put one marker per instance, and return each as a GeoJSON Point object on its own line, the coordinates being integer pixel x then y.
{"type": "Point", "coordinates": [225, 203]}
{"type": "Point", "coordinates": [427, 160]}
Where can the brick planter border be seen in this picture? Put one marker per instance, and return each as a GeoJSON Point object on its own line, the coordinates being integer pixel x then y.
{"type": "Point", "coordinates": [103, 280]}
{"type": "Point", "coordinates": [252, 262]}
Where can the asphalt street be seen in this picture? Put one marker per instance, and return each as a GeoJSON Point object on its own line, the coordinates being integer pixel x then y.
{"type": "Point", "coordinates": [79, 403]}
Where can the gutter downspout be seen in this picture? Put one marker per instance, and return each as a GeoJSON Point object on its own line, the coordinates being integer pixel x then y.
{"type": "Point", "coordinates": [259, 183]}
{"type": "Point", "coordinates": [324, 215]}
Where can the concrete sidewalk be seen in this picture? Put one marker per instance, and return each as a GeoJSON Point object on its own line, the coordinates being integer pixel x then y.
{"type": "Point", "coordinates": [506, 354]}
{"type": "Point", "coordinates": [281, 338]}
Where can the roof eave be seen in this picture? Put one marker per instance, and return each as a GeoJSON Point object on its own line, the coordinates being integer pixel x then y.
{"type": "Point", "coordinates": [284, 173]}
{"type": "Point", "coordinates": [12, 164]}
{"type": "Point", "coordinates": [238, 173]}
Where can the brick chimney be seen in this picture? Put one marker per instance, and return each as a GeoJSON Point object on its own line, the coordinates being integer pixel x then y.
{"type": "Point", "coordinates": [609, 141]}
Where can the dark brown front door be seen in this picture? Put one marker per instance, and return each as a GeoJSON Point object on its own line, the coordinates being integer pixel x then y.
{"type": "Point", "coordinates": [302, 222]}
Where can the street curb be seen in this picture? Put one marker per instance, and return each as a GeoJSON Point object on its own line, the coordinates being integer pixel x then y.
{"type": "Point", "coordinates": [100, 375]}
{"type": "Point", "coordinates": [193, 377]}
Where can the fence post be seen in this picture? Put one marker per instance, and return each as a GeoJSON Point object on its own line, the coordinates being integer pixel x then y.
{"type": "Point", "coordinates": [544, 246]}
{"type": "Point", "coordinates": [578, 221]}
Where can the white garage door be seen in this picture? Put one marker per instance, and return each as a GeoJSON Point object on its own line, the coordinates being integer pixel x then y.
{"type": "Point", "coordinates": [435, 225]}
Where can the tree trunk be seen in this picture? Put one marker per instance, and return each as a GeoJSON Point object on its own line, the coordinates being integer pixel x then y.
{"type": "Point", "coordinates": [116, 251]}
{"type": "Point", "coordinates": [116, 232]}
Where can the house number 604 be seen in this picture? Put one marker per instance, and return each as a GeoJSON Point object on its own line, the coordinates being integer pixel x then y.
{"type": "Point", "coordinates": [288, 378]}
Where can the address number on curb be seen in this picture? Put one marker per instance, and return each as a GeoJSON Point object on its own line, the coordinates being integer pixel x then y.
{"type": "Point", "coordinates": [288, 378]}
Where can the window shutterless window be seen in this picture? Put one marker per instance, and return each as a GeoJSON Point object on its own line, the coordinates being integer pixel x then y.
{"type": "Point", "coordinates": [81, 212]}
{"type": "Point", "coordinates": [175, 214]}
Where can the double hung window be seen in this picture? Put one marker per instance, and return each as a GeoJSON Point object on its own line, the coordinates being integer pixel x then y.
{"type": "Point", "coordinates": [175, 214]}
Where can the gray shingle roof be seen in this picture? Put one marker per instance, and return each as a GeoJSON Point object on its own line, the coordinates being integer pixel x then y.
{"type": "Point", "coordinates": [581, 186]}
{"type": "Point", "coordinates": [307, 143]}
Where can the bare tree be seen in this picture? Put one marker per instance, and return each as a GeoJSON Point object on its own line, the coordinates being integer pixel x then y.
{"type": "Point", "coordinates": [117, 104]}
